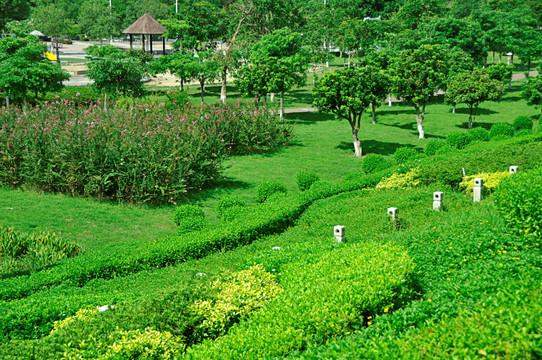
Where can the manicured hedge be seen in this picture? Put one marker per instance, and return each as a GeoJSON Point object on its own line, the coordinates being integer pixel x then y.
{"type": "Point", "coordinates": [272, 216]}
{"type": "Point", "coordinates": [339, 293]}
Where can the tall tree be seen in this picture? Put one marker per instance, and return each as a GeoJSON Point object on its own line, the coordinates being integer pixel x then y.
{"type": "Point", "coordinates": [418, 74]}
{"type": "Point", "coordinates": [52, 21]}
{"type": "Point", "coordinates": [344, 93]}
{"type": "Point", "coordinates": [182, 64]}
{"type": "Point", "coordinates": [472, 89]}
{"type": "Point", "coordinates": [532, 91]}
{"type": "Point", "coordinates": [97, 21]}
{"type": "Point", "coordinates": [25, 72]}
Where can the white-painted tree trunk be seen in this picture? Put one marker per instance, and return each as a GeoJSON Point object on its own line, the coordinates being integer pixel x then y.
{"type": "Point", "coordinates": [420, 131]}
{"type": "Point", "coordinates": [223, 88]}
{"type": "Point", "coordinates": [272, 97]}
{"type": "Point", "coordinates": [453, 109]}
{"type": "Point", "coordinates": [281, 115]}
{"type": "Point", "coordinates": [389, 100]}
{"type": "Point", "coordinates": [357, 146]}
{"type": "Point", "coordinates": [7, 101]}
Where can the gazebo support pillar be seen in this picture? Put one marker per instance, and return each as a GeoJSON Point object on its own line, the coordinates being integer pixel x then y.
{"type": "Point", "coordinates": [164, 46]}
{"type": "Point", "coordinates": [150, 42]}
{"type": "Point", "coordinates": [143, 42]}
{"type": "Point", "coordinates": [130, 41]}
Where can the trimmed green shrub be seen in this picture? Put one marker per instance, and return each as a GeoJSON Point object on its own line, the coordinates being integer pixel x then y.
{"type": "Point", "coordinates": [501, 131]}
{"type": "Point", "coordinates": [518, 200]}
{"type": "Point", "coordinates": [436, 147]}
{"type": "Point", "coordinates": [523, 132]}
{"type": "Point", "coordinates": [458, 139]}
{"type": "Point", "coordinates": [268, 188]}
{"type": "Point", "coordinates": [31, 251]}
{"type": "Point", "coordinates": [226, 203]}
{"type": "Point", "coordinates": [405, 154]}
{"type": "Point", "coordinates": [478, 134]}
{"type": "Point", "coordinates": [373, 163]}
{"type": "Point", "coordinates": [305, 180]}
{"type": "Point", "coordinates": [189, 218]}
{"type": "Point", "coordinates": [523, 123]}
{"type": "Point", "coordinates": [341, 292]}
{"type": "Point", "coordinates": [491, 180]}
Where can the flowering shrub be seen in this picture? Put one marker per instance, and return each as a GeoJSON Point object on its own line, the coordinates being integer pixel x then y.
{"type": "Point", "coordinates": [142, 154]}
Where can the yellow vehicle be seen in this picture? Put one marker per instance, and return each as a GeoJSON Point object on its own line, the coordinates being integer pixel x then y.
{"type": "Point", "coordinates": [50, 56]}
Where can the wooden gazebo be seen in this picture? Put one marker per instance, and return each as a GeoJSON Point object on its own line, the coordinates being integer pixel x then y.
{"type": "Point", "coordinates": [146, 25]}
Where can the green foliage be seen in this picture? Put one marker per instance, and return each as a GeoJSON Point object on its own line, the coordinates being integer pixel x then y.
{"type": "Point", "coordinates": [13, 10]}
{"type": "Point", "coordinates": [518, 201]}
{"type": "Point", "coordinates": [189, 218]}
{"type": "Point", "coordinates": [348, 286]}
{"type": "Point", "coordinates": [236, 298]}
{"type": "Point", "coordinates": [97, 51]}
{"type": "Point", "coordinates": [478, 134]}
{"type": "Point", "coordinates": [491, 180]}
{"type": "Point", "coordinates": [401, 181]}
{"type": "Point", "coordinates": [373, 163]}
{"type": "Point", "coordinates": [31, 251]}
{"type": "Point", "coordinates": [268, 188]}
{"type": "Point", "coordinates": [473, 89]}
{"type": "Point", "coordinates": [523, 123]}
{"type": "Point", "coordinates": [132, 344]}
{"type": "Point", "coordinates": [118, 72]}
{"type": "Point", "coordinates": [532, 91]}
{"type": "Point", "coordinates": [501, 131]}
{"type": "Point", "coordinates": [224, 208]}
{"type": "Point", "coordinates": [405, 154]}
{"type": "Point", "coordinates": [458, 139]}
{"type": "Point", "coordinates": [25, 72]}
{"type": "Point", "coordinates": [501, 72]}
{"type": "Point", "coordinates": [436, 147]}
{"type": "Point", "coordinates": [305, 180]}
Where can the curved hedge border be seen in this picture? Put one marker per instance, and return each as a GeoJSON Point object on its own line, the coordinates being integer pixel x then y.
{"type": "Point", "coordinates": [270, 217]}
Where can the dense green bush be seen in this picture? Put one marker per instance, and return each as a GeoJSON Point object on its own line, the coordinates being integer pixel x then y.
{"type": "Point", "coordinates": [225, 205]}
{"type": "Point", "coordinates": [373, 163]}
{"type": "Point", "coordinates": [523, 132]}
{"type": "Point", "coordinates": [305, 180]}
{"type": "Point", "coordinates": [523, 123]}
{"type": "Point", "coordinates": [268, 188]}
{"type": "Point", "coordinates": [500, 131]}
{"type": "Point", "coordinates": [31, 251]}
{"type": "Point", "coordinates": [348, 287]}
{"type": "Point", "coordinates": [518, 200]}
{"type": "Point", "coordinates": [436, 147]}
{"type": "Point", "coordinates": [478, 134]}
{"type": "Point", "coordinates": [458, 139]}
{"type": "Point", "coordinates": [404, 154]}
{"type": "Point", "coordinates": [189, 218]}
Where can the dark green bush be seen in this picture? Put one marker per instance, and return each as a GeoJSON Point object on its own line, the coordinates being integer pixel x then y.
{"type": "Point", "coordinates": [478, 134]}
{"type": "Point", "coordinates": [189, 218]}
{"type": "Point", "coordinates": [523, 123]}
{"type": "Point", "coordinates": [373, 163]}
{"type": "Point", "coordinates": [226, 203]}
{"type": "Point", "coordinates": [458, 139]}
{"type": "Point", "coordinates": [523, 132]}
{"type": "Point", "coordinates": [436, 147]}
{"type": "Point", "coordinates": [518, 199]}
{"type": "Point", "coordinates": [268, 188]}
{"type": "Point", "coordinates": [305, 180]}
{"type": "Point", "coordinates": [405, 154]}
{"type": "Point", "coordinates": [501, 131]}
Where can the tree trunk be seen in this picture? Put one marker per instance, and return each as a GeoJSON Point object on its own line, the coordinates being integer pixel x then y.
{"type": "Point", "coordinates": [389, 100]}
{"type": "Point", "coordinates": [264, 100]}
{"type": "Point", "coordinates": [57, 55]}
{"type": "Point", "coordinates": [419, 120]}
{"type": "Point", "coordinates": [374, 113]}
{"type": "Point", "coordinates": [357, 144]}
{"type": "Point", "coordinates": [453, 109]}
{"type": "Point", "coordinates": [223, 89]}
{"type": "Point", "coordinates": [493, 57]}
{"type": "Point", "coordinates": [105, 101]}
{"type": "Point", "coordinates": [202, 86]}
{"type": "Point", "coordinates": [470, 118]}
{"type": "Point", "coordinates": [272, 97]}
{"type": "Point", "coordinates": [182, 84]}
{"type": "Point", "coordinates": [281, 116]}
{"type": "Point", "coordinates": [7, 101]}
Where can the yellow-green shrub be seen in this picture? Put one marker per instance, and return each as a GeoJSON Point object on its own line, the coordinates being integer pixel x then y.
{"type": "Point", "coordinates": [491, 180]}
{"type": "Point", "coordinates": [400, 181]}
{"type": "Point", "coordinates": [133, 344]}
{"type": "Point", "coordinates": [237, 297]}
{"type": "Point", "coordinates": [82, 315]}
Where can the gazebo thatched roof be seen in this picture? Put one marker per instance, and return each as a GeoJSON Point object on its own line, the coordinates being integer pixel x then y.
{"type": "Point", "coordinates": [145, 25]}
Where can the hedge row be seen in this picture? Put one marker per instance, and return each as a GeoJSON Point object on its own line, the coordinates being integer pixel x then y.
{"type": "Point", "coordinates": [270, 217]}
{"type": "Point", "coordinates": [339, 293]}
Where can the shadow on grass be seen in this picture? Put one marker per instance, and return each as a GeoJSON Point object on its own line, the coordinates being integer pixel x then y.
{"type": "Point", "coordinates": [373, 147]}
{"type": "Point", "coordinates": [485, 125]}
{"type": "Point", "coordinates": [481, 111]}
{"type": "Point", "coordinates": [308, 118]}
{"type": "Point", "coordinates": [215, 189]}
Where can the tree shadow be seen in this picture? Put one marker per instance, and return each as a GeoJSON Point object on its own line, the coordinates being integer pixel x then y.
{"type": "Point", "coordinates": [214, 190]}
{"type": "Point", "coordinates": [485, 125]}
{"type": "Point", "coordinates": [373, 147]}
{"type": "Point", "coordinates": [481, 111]}
{"type": "Point", "coordinates": [308, 118]}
